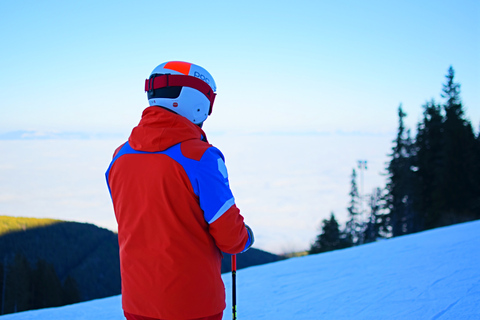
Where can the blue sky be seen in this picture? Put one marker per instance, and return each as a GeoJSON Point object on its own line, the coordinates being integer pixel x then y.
{"type": "Point", "coordinates": [279, 66]}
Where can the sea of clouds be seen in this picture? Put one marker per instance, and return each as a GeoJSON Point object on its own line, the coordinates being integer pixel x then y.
{"type": "Point", "coordinates": [285, 184]}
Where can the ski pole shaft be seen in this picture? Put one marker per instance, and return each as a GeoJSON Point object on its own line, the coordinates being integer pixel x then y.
{"type": "Point", "coordinates": [234, 287]}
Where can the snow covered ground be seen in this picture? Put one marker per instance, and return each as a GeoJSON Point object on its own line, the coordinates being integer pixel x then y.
{"type": "Point", "coordinates": [430, 275]}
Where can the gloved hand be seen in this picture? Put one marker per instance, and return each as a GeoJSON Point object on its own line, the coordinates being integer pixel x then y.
{"type": "Point", "coordinates": [250, 237]}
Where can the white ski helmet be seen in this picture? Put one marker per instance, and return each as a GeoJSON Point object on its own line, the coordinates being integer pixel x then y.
{"type": "Point", "coordinates": [183, 87]}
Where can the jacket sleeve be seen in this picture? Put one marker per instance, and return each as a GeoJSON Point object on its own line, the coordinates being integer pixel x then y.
{"type": "Point", "coordinates": [218, 204]}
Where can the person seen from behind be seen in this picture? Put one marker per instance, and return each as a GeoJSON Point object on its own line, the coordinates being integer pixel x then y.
{"type": "Point", "coordinates": [175, 211]}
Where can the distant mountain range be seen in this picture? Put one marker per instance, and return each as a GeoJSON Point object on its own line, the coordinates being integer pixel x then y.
{"type": "Point", "coordinates": [85, 252]}
{"type": "Point", "coordinates": [55, 135]}
{"type": "Point", "coordinates": [79, 135]}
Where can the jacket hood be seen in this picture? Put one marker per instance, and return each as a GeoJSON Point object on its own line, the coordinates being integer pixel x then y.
{"type": "Point", "coordinates": [160, 129]}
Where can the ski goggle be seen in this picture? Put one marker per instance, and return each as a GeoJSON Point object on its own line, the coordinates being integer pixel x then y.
{"type": "Point", "coordinates": [158, 81]}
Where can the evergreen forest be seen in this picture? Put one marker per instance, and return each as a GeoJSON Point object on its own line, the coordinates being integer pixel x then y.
{"type": "Point", "coordinates": [49, 263]}
{"type": "Point", "coordinates": [433, 179]}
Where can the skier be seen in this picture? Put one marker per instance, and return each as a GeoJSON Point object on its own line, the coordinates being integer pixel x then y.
{"type": "Point", "coordinates": [175, 211]}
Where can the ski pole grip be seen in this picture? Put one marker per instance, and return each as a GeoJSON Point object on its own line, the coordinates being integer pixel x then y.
{"type": "Point", "coordinates": [234, 262]}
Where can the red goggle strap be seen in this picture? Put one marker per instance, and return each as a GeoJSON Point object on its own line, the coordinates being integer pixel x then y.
{"type": "Point", "coordinates": [178, 80]}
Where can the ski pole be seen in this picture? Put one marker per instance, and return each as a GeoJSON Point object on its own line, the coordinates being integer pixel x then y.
{"type": "Point", "coordinates": [234, 287]}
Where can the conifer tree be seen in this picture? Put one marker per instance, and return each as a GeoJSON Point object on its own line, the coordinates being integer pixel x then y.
{"type": "Point", "coordinates": [331, 237]}
{"type": "Point", "coordinates": [17, 292]}
{"type": "Point", "coordinates": [47, 288]}
{"type": "Point", "coordinates": [400, 186]}
{"type": "Point", "coordinates": [475, 176]}
{"type": "Point", "coordinates": [458, 187]}
{"type": "Point", "coordinates": [375, 227]}
{"type": "Point", "coordinates": [354, 226]}
{"type": "Point", "coordinates": [71, 293]}
{"type": "Point", "coordinates": [429, 162]}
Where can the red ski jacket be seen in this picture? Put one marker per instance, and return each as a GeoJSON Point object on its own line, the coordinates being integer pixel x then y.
{"type": "Point", "coordinates": [176, 214]}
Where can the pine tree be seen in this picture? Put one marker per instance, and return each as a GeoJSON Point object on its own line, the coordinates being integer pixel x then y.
{"type": "Point", "coordinates": [400, 186]}
{"type": "Point", "coordinates": [475, 174]}
{"type": "Point", "coordinates": [429, 162]}
{"type": "Point", "coordinates": [71, 293]}
{"type": "Point", "coordinates": [17, 291]}
{"type": "Point", "coordinates": [354, 226]}
{"type": "Point", "coordinates": [458, 187]}
{"type": "Point", "coordinates": [331, 237]}
{"type": "Point", "coordinates": [47, 288]}
{"type": "Point", "coordinates": [376, 227]}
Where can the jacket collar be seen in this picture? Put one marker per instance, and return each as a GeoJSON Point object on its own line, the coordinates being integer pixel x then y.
{"type": "Point", "coordinates": [160, 129]}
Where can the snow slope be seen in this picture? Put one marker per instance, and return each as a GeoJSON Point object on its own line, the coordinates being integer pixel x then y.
{"type": "Point", "coordinates": [430, 275]}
